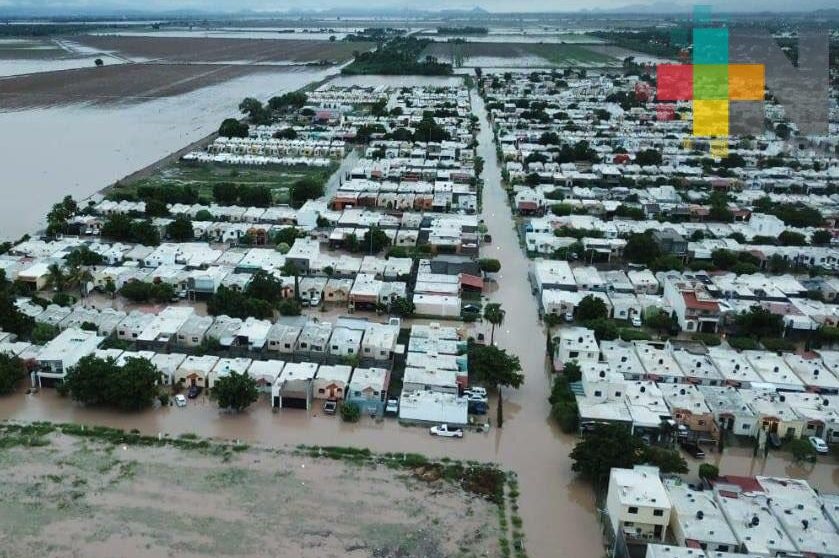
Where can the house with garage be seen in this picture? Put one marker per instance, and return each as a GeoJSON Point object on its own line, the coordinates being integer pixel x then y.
{"type": "Point", "coordinates": [63, 352]}
{"type": "Point", "coordinates": [575, 344]}
{"type": "Point", "coordinates": [163, 329]}
{"type": "Point", "coordinates": [602, 400]}
{"type": "Point", "coordinates": [774, 414]}
{"type": "Point", "coordinates": [688, 408]}
{"type": "Point", "coordinates": [294, 386]}
{"type": "Point", "coordinates": [621, 358]}
{"type": "Point", "coordinates": [696, 366]}
{"type": "Point", "coordinates": [815, 376]}
{"type": "Point", "coordinates": [368, 389]}
{"type": "Point", "coordinates": [265, 372]}
{"type": "Point", "coordinates": [194, 370]}
{"type": "Point", "coordinates": [193, 331]}
{"type": "Point", "coordinates": [331, 381]}
{"type": "Point", "coordinates": [637, 503]}
{"type": "Point", "coordinates": [345, 342]}
{"type": "Point", "coordinates": [168, 364]}
{"type": "Point", "coordinates": [735, 369]}
{"type": "Point", "coordinates": [696, 520]}
{"type": "Point", "coordinates": [731, 411]}
{"type": "Point", "coordinates": [224, 330]}
{"type": "Point", "coordinates": [378, 346]}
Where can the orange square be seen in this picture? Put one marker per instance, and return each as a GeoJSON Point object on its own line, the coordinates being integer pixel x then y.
{"type": "Point", "coordinates": [746, 82]}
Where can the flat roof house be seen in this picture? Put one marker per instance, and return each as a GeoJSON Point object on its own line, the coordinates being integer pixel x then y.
{"type": "Point", "coordinates": [168, 364]}
{"type": "Point", "coordinates": [225, 366]}
{"type": "Point", "coordinates": [734, 367]}
{"type": "Point", "coordinates": [575, 344]}
{"type": "Point", "coordinates": [192, 332]}
{"type": "Point", "coordinates": [687, 406]}
{"type": "Point", "coordinates": [637, 503]}
{"type": "Point", "coordinates": [754, 525]}
{"type": "Point", "coordinates": [331, 381]}
{"type": "Point", "coordinates": [266, 372]}
{"type": "Point", "coordinates": [63, 352]}
{"type": "Point", "coordinates": [293, 388]}
{"type": "Point", "coordinates": [194, 370]}
{"type": "Point", "coordinates": [433, 407]}
{"type": "Point", "coordinates": [313, 341]}
{"type": "Point", "coordinates": [731, 411]}
{"type": "Point", "coordinates": [368, 389]}
{"type": "Point", "coordinates": [282, 338]}
{"type": "Point", "coordinates": [696, 520]}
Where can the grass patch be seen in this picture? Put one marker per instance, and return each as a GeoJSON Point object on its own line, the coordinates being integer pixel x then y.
{"type": "Point", "coordinates": [743, 343]}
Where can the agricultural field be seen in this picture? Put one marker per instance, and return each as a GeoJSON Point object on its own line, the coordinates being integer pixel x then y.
{"type": "Point", "coordinates": [29, 49]}
{"type": "Point", "coordinates": [118, 84]}
{"type": "Point", "coordinates": [519, 55]}
{"type": "Point", "coordinates": [76, 491]}
{"type": "Point", "coordinates": [216, 50]}
{"type": "Point", "coordinates": [203, 176]}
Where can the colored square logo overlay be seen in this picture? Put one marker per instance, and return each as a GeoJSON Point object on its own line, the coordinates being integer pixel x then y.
{"type": "Point", "coordinates": [710, 82]}
{"type": "Point", "coordinates": [710, 45]}
{"type": "Point", "coordinates": [710, 118]}
{"type": "Point", "coordinates": [674, 82]}
{"type": "Point", "coordinates": [746, 82]}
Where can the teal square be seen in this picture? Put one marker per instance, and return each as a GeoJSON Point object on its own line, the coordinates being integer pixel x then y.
{"type": "Point", "coordinates": [701, 14]}
{"type": "Point", "coordinates": [710, 45]}
{"type": "Point", "coordinates": [710, 82]}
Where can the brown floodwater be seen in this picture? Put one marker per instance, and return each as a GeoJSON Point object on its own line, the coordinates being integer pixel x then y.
{"type": "Point", "coordinates": [558, 510]}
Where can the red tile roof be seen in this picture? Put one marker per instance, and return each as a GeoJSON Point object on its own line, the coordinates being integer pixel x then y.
{"type": "Point", "coordinates": [692, 302]}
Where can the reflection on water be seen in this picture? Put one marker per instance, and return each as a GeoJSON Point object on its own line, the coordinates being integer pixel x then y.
{"type": "Point", "coordinates": [77, 150]}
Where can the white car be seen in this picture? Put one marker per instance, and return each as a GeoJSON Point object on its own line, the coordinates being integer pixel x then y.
{"type": "Point", "coordinates": [445, 431]}
{"type": "Point", "coordinates": [475, 393]}
{"type": "Point", "coordinates": [636, 321]}
{"type": "Point", "coordinates": [180, 400]}
{"type": "Point", "coordinates": [819, 445]}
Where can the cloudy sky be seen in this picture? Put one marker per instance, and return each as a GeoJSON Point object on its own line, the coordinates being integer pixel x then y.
{"type": "Point", "coordinates": [63, 6]}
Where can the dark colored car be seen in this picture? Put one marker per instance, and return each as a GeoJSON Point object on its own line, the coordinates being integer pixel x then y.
{"type": "Point", "coordinates": [775, 440]}
{"type": "Point", "coordinates": [693, 449]}
{"type": "Point", "coordinates": [330, 406]}
{"type": "Point", "coordinates": [193, 392]}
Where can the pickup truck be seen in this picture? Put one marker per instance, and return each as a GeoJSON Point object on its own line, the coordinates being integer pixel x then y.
{"type": "Point", "coordinates": [446, 431]}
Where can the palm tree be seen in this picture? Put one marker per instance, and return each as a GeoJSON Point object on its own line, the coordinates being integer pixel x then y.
{"type": "Point", "coordinates": [80, 276]}
{"type": "Point", "coordinates": [56, 279]}
{"type": "Point", "coordinates": [494, 315]}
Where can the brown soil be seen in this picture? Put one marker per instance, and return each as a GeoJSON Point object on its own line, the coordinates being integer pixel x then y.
{"type": "Point", "coordinates": [85, 497]}
{"type": "Point", "coordinates": [199, 49]}
{"type": "Point", "coordinates": [117, 84]}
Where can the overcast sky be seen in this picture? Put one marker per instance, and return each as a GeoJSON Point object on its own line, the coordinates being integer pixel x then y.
{"type": "Point", "coordinates": [492, 5]}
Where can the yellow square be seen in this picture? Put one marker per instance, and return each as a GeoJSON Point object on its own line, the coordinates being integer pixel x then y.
{"type": "Point", "coordinates": [746, 82]}
{"type": "Point", "coordinates": [719, 149]}
{"type": "Point", "coordinates": [710, 118]}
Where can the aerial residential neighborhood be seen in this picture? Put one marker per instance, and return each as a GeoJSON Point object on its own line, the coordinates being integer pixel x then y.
{"type": "Point", "coordinates": [500, 281]}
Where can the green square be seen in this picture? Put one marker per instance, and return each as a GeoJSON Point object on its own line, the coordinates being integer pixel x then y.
{"type": "Point", "coordinates": [710, 45]}
{"type": "Point", "coordinates": [710, 82]}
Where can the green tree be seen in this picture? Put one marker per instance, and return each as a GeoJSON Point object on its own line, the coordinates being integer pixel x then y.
{"type": "Point", "coordinates": [403, 307]}
{"type": "Point", "coordinates": [606, 447]}
{"type": "Point", "coordinates": [592, 308]}
{"type": "Point", "coordinates": [236, 391]}
{"type": "Point", "coordinates": [350, 412]}
{"type": "Point", "coordinates": [821, 237]}
{"type": "Point", "coordinates": [44, 333]}
{"type": "Point", "coordinates": [493, 366]}
{"type": "Point", "coordinates": [489, 265]}
{"type": "Point", "coordinates": [305, 189]}
{"type": "Point", "coordinates": [87, 382]}
{"type": "Point", "coordinates": [287, 235]}
{"type": "Point", "coordinates": [232, 128]}
{"type": "Point", "coordinates": [648, 157]}
{"type": "Point", "coordinates": [265, 286]}
{"type": "Point", "coordinates": [641, 249]}
{"type": "Point", "coordinates": [225, 193]}
{"type": "Point", "coordinates": [134, 385]}
{"type": "Point", "coordinates": [56, 278]}
{"type": "Point", "coordinates": [801, 450]}
{"type": "Point", "coordinates": [792, 238]}
{"type": "Point", "coordinates": [667, 460]}
{"type": "Point", "coordinates": [375, 240]}
{"type": "Point", "coordinates": [709, 471]}
{"type": "Point", "coordinates": [778, 264]}
{"type": "Point", "coordinates": [180, 229]}
{"type": "Point", "coordinates": [257, 113]}
{"type": "Point", "coordinates": [12, 371]}
{"type": "Point", "coordinates": [495, 316]}
{"type": "Point", "coordinates": [759, 322]}
{"type": "Point", "coordinates": [724, 259]}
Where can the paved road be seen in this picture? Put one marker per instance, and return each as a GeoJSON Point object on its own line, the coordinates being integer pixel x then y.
{"type": "Point", "coordinates": [556, 509]}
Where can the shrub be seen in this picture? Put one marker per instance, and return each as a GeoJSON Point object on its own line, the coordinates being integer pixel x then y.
{"type": "Point", "coordinates": [350, 412]}
{"type": "Point", "coordinates": [710, 339]}
{"type": "Point", "coordinates": [629, 334]}
{"type": "Point", "coordinates": [743, 343]}
{"type": "Point", "coordinates": [778, 344]}
{"type": "Point", "coordinates": [709, 471]}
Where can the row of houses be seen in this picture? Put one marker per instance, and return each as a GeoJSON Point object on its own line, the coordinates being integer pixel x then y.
{"type": "Point", "coordinates": [703, 391]}
{"type": "Point", "coordinates": [737, 516]}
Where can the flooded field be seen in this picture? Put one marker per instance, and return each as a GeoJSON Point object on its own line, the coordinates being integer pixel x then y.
{"type": "Point", "coordinates": [213, 49]}
{"type": "Point", "coordinates": [64, 495]}
{"type": "Point", "coordinates": [78, 150]}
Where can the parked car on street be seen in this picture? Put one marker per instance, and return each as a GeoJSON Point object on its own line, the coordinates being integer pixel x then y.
{"type": "Point", "coordinates": [330, 406]}
{"type": "Point", "coordinates": [180, 400]}
{"type": "Point", "coordinates": [193, 392]}
{"type": "Point", "coordinates": [392, 407]}
{"type": "Point", "coordinates": [446, 431]}
{"type": "Point", "coordinates": [693, 449]}
{"type": "Point", "coordinates": [818, 444]}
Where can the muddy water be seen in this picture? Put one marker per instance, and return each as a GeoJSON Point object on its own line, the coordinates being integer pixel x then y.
{"type": "Point", "coordinates": [78, 150]}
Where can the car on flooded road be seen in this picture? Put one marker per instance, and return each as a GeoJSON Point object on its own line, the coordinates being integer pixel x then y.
{"type": "Point", "coordinates": [392, 407]}
{"type": "Point", "coordinates": [193, 392]}
{"type": "Point", "coordinates": [180, 400]}
{"type": "Point", "coordinates": [818, 444]}
{"type": "Point", "coordinates": [330, 406]}
{"type": "Point", "coordinates": [446, 431]}
{"type": "Point", "coordinates": [693, 449]}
